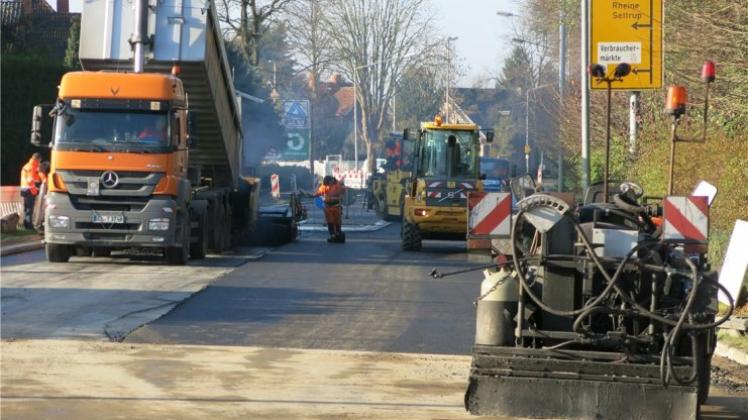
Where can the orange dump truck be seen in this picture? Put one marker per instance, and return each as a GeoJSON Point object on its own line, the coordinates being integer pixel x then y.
{"type": "Point", "coordinates": [146, 142]}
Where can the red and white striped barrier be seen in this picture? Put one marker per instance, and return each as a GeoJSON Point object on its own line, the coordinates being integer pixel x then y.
{"type": "Point", "coordinates": [489, 214]}
{"type": "Point", "coordinates": [354, 179]}
{"type": "Point", "coordinates": [686, 218]}
{"type": "Point", "coordinates": [275, 189]}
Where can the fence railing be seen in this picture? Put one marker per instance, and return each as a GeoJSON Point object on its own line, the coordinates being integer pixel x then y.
{"type": "Point", "coordinates": [11, 201]}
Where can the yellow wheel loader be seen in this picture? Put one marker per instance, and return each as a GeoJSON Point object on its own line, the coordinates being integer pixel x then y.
{"type": "Point", "coordinates": [446, 167]}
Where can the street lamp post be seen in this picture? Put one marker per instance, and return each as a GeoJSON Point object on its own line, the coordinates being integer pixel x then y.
{"type": "Point", "coordinates": [449, 75]}
{"type": "Point", "coordinates": [527, 124]}
{"type": "Point", "coordinates": [562, 46]}
{"type": "Point", "coordinates": [274, 92]}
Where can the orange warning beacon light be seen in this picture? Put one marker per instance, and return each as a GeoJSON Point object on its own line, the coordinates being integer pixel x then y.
{"type": "Point", "coordinates": [677, 98]}
{"type": "Point", "coordinates": [438, 120]}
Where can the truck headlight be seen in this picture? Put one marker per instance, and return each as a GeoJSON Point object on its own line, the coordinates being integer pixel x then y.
{"type": "Point", "coordinates": [158, 224]}
{"type": "Point", "coordinates": [59, 221]}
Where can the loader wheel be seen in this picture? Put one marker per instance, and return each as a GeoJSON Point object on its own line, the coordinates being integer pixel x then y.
{"type": "Point", "coordinates": [411, 237]}
{"type": "Point", "coordinates": [178, 255]}
{"type": "Point", "coordinates": [58, 253]}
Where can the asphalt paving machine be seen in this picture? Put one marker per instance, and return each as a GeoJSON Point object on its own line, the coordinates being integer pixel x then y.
{"type": "Point", "coordinates": [604, 310]}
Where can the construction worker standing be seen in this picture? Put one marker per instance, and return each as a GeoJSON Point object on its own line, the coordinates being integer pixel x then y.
{"type": "Point", "coordinates": [31, 179]}
{"type": "Point", "coordinates": [332, 192]}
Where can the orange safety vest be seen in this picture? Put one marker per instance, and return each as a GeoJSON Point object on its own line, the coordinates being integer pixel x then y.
{"type": "Point", "coordinates": [30, 176]}
{"type": "Point", "coordinates": [331, 193]}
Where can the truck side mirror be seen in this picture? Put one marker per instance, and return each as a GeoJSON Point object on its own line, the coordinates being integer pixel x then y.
{"type": "Point", "coordinates": [36, 126]}
{"type": "Point", "coordinates": [405, 134]}
{"type": "Point", "coordinates": [489, 136]}
{"type": "Point", "coordinates": [191, 136]}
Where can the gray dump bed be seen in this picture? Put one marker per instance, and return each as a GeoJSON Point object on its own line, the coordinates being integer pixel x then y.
{"type": "Point", "coordinates": [184, 32]}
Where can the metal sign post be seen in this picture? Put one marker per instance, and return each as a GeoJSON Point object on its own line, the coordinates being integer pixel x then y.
{"type": "Point", "coordinates": [585, 78]}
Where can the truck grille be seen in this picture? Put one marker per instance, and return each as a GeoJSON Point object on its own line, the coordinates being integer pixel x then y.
{"type": "Point", "coordinates": [131, 183]}
{"type": "Point", "coordinates": [109, 203]}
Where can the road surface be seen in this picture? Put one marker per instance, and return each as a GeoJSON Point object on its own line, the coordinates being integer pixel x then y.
{"type": "Point", "coordinates": [364, 295]}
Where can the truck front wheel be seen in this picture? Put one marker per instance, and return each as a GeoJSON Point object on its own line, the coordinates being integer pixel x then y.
{"type": "Point", "coordinates": [178, 255]}
{"type": "Point", "coordinates": [58, 253]}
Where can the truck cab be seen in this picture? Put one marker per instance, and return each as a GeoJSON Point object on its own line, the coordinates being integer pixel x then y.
{"type": "Point", "coordinates": [446, 169]}
{"type": "Point", "coordinates": [118, 174]}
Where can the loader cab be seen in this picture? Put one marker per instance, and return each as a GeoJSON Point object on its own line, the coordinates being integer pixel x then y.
{"type": "Point", "coordinates": [447, 163]}
{"type": "Point", "coordinates": [448, 154]}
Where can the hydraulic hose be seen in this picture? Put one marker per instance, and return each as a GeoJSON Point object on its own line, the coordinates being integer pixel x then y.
{"type": "Point", "coordinates": [672, 337]}
{"type": "Point", "coordinates": [526, 287]}
{"type": "Point", "coordinates": [612, 281]}
{"type": "Point", "coordinates": [667, 370]}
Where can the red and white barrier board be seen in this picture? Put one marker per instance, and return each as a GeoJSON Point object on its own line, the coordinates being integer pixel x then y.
{"type": "Point", "coordinates": [489, 214]}
{"type": "Point", "coordinates": [686, 218]}
{"type": "Point", "coordinates": [275, 190]}
{"type": "Point", "coordinates": [354, 179]}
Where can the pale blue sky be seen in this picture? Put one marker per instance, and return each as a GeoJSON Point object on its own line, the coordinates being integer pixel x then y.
{"type": "Point", "coordinates": [483, 37]}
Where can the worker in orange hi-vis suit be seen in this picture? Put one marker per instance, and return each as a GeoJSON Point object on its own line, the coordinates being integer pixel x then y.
{"type": "Point", "coordinates": [332, 191]}
{"type": "Point", "coordinates": [31, 180]}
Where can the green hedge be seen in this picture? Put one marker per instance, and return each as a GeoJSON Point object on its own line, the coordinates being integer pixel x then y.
{"type": "Point", "coordinates": [27, 80]}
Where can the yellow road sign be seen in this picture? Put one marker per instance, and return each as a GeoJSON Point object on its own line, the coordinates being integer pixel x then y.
{"type": "Point", "coordinates": [628, 31]}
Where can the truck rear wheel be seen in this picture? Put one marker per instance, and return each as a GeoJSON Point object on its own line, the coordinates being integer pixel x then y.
{"type": "Point", "coordinates": [227, 240]}
{"type": "Point", "coordinates": [58, 253]}
{"type": "Point", "coordinates": [178, 255]}
{"type": "Point", "coordinates": [199, 248]}
{"type": "Point", "coordinates": [411, 237]}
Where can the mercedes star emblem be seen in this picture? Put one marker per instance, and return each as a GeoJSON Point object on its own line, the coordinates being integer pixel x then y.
{"type": "Point", "coordinates": [109, 179]}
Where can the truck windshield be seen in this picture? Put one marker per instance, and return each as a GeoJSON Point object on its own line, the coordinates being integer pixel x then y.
{"type": "Point", "coordinates": [107, 130]}
{"type": "Point", "coordinates": [449, 153]}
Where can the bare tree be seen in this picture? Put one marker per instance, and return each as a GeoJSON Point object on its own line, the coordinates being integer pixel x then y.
{"type": "Point", "coordinates": [310, 38]}
{"type": "Point", "coordinates": [251, 24]}
{"type": "Point", "coordinates": [372, 40]}
{"type": "Point", "coordinates": [310, 41]}
{"type": "Point", "coordinates": [421, 91]}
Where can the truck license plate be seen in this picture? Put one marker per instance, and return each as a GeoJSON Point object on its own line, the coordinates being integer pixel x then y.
{"type": "Point", "coordinates": [108, 218]}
